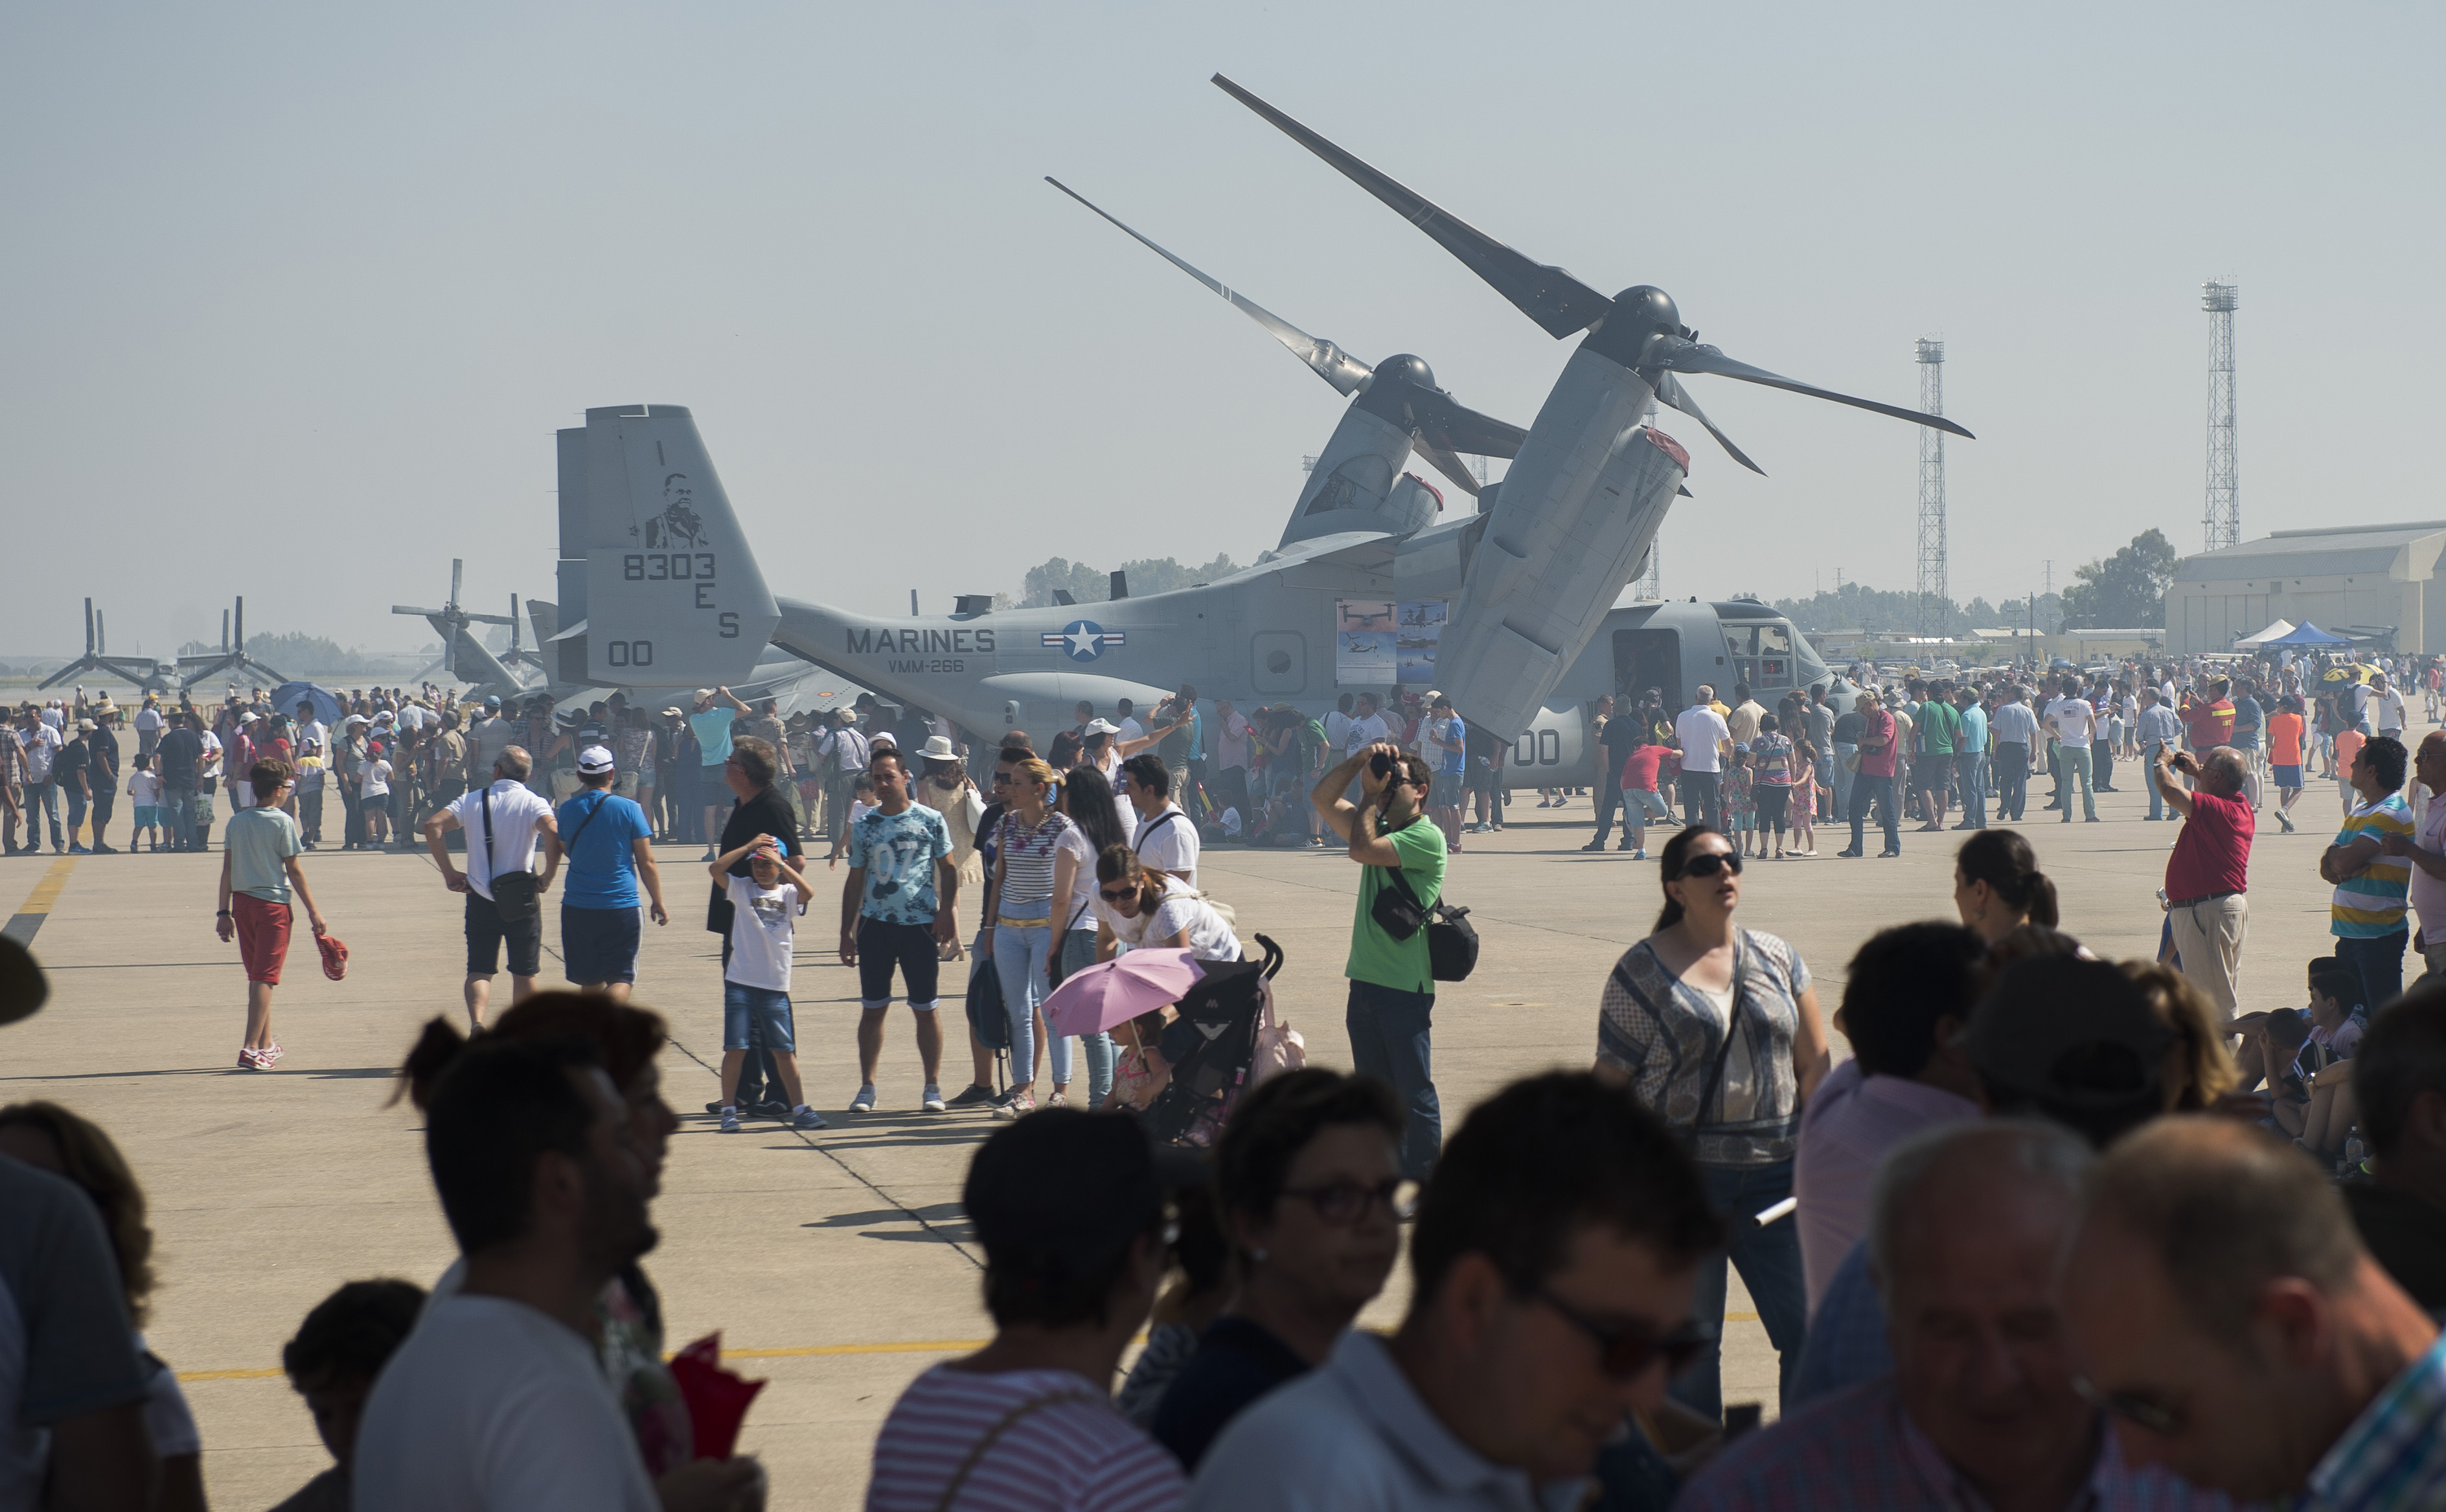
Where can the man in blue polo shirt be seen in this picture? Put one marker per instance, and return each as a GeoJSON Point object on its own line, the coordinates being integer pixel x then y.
{"type": "Point", "coordinates": [610, 848]}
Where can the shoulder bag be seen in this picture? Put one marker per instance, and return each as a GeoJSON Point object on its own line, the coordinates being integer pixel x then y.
{"type": "Point", "coordinates": [969, 1464]}
{"type": "Point", "coordinates": [514, 894]}
{"type": "Point", "coordinates": [1452, 939]}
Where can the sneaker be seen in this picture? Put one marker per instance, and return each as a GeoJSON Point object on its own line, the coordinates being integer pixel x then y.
{"type": "Point", "coordinates": [932, 1101]}
{"type": "Point", "coordinates": [1058, 1100]}
{"type": "Point", "coordinates": [771, 1110]}
{"type": "Point", "coordinates": [808, 1117]}
{"type": "Point", "coordinates": [730, 1120]}
{"type": "Point", "coordinates": [78, 850]}
{"type": "Point", "coordinates": [1018, 1107]}
{"type": "Point", "coordinates": [864, 1100]}
{"type": "Point", "coordinates": [974, 1097]}
{"type": "Point", "coordinates": [248, 1062]}
{"type": "Point", "coordinates": [1593, 845]}
{"type": "Point", "coordinates": [271, 1057]}
{"type": "Point", "coordinates": [2286, 821]}
{"type": "Point", "coordinates": [1638, 855]}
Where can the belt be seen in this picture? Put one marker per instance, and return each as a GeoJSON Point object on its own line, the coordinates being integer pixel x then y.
{"type": "Point", "coordinates": [2204, 897]}
{"type": "Point", "coordinates": [1040, 921]}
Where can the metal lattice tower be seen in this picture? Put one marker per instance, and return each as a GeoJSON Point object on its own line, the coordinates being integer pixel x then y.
{"type": "Point", "coordinates": [1934, 601]}
{"type": "Point", "coordinates": [2222, 524]}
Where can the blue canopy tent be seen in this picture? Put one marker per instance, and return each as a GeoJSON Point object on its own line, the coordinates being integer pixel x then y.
{"type": "Point", "coordinates": [2304, 633]}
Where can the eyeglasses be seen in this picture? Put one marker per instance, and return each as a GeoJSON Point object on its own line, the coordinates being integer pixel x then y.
{"type": "Point", "coordinates": [1623, 1354]}
{"type": "Point", "coordinates": [1708, 864]}
{"type": "Point", "coordinates": [1347, 1202]}
{"type": "Point", "coordinates": [2132, 1406]}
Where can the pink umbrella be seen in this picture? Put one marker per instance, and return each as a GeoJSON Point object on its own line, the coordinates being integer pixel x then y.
{"type": "Point", "coordinates": [1094, 998]}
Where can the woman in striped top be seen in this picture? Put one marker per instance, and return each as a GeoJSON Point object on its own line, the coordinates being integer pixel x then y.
{"type": "Point", "coordinates": [1037, 853]}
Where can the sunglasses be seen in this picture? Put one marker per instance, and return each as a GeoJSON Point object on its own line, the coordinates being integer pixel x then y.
{"type": "Point", "coordinates": [1623, 1354]}
{"type": "Point", "coordinates": [1712, 862]}
{"type": "Point", "coordinates": [1347, 1202]}
{"type": "Point", "coordinates": [2132, 1406]}
{"type": "Point", "coordinates": [1111, 897]}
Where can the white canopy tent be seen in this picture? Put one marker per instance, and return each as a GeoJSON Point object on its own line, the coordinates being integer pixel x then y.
{"type": "Point", "coordinates": [2282, 627]}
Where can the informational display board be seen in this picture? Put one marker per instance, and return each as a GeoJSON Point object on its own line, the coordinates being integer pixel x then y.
{"type": "Point", "coordinates": [1378, 642]}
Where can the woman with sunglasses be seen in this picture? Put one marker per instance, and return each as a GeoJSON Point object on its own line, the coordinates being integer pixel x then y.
{"type": "Point", "coordinates": [1088, 800]}
{"type": "Point", "coordinates": [1716, 1027]}
{"type": "Point", "coordinates": [1140, 908]}
{"type": "Point", "coordinates": [1038, 854]}
{"type": "Point", "coordinates": [1306, 1177]}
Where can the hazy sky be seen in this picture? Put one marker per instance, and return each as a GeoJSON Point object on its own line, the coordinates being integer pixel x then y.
{"type": "Point", "coordinates": [296, 296]}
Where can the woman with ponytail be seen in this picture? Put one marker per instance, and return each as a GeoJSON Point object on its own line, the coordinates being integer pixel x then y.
{"type": "Point", "coordinates": [1715, 1028]}
{"type": "Point", "coordinates": [1998, 886]}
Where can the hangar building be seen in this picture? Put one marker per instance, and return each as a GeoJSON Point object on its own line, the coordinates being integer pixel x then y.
{"type": "Point", "coordinates": [2362, 579]}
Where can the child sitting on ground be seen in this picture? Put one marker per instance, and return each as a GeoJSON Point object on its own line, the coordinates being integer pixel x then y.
{"type": "Point", "coordinates": [765, 908]}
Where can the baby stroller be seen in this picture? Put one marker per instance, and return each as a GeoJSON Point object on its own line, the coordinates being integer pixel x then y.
{"type": "Point", "coordinates": [1213, 1047]}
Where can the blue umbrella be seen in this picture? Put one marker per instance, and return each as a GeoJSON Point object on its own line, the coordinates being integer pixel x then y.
{"type": "Point", "coordinates": [286, 698]}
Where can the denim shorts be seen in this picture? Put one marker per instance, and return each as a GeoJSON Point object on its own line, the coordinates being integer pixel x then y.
{"type": "Point", "coordinates": [768, 1010]}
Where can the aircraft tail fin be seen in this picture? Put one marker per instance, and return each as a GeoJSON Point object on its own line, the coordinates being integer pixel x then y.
{"type": "Point", "coordinates": [653, 563]}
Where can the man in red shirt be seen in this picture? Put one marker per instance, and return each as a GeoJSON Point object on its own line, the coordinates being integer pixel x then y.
{"type": "Point", "coordinates": [2208, 875]}
{"type": "Point", "coordinates": [1876, 780]}
{"type": "Point", "coordinates": [2209, 720]}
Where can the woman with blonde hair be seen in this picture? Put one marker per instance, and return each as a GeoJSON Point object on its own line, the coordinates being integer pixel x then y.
{"type": "Point", "coordinates": [1037, 851]}
{"type": "Point", "coordinates": [50, 1138]}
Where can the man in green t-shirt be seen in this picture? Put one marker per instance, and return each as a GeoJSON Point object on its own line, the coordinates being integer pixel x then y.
{"type": "Point", "coordinates": [1939, 734]}
{"type": "Point", "coordinates": [1392, 986]}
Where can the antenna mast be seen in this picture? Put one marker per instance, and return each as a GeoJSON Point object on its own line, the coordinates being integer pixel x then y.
{"type": "Point", "coordinates": [2222, 524]}
{"type": "Point", "coordinates": [1934, 602]}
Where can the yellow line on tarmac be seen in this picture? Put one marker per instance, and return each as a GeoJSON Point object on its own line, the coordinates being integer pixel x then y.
{"type": "Point", "coordinates": [28, 917]}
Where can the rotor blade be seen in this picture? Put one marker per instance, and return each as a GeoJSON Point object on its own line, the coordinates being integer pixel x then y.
{"type": "Point", "coordinates": [514, 624]}
{"type": "Point", "coordinates": [1684, 356]}
{"type": "Point", "coordinates": [1336, 367]}
{"type": "Point", "coordinates": [1446, 463]}
{"type": "Point", "coordinates": [1686, 492]}
{"type": "Point", "coordinates": [1669, 392]}
{"type": "Point", "coordinates": [488, 619]}
{"type": "Point", "coordinates": [1461, 428]}
{"type": "Point", "coordinates": [455, 564]}
{"type": "Point", "coordinates": [403, 608]}
{"type": "Point", "coordinates": [1546, 295]}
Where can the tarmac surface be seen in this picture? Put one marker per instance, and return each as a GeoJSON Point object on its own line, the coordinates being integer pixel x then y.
{"type": "Point", "coordinates": [837, 1265]}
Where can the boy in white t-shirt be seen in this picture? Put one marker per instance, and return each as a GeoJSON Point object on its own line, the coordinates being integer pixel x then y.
{"type": "Point", "coordinates": [144, 790]}
{"type": "Point", "coordinates": [375, 783]}
{"type": "Point", "coordinates": [764, 910]}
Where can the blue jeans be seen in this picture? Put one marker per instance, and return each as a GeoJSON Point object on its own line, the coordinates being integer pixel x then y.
{"type": "Point", "coordinates": [2010, 772]}
{"type": "Point", "coordinates": [1866, 791]}
{"type": "Point", "coordinates": [1842, 781]}
{"type": "Point", "coordinates": [1769, 1258]}
{"type": "Point", "coordinates": [1970, 773]}
{"type": "Point", "coordinates": [760, 1011]}
{"type": "Point", "coordinates": [1700, 800]}
{"type": "Point", "coordinates": [1020, 955]}
{"type": "Point", "coordinates": [1390, 1041]}
{"type": "Point", "coordinates": [1079, 950]}
{"type": "Point", "coordinates": [42, 798]}
{"type": "Point", "coordinates": [2149, 766]}
{"type": "Point", "coordinates": [2076, 773]}
{"type": "Point", "coordinates": [2380, 963]}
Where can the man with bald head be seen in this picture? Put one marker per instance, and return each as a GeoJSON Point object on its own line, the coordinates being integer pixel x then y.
{"type": "Point", "coordinates": [2221, 1307]}
{"type": "Point", "coordinates": [2209, 874]}
{"type": "Point", "coordinates": [1980, 1409]}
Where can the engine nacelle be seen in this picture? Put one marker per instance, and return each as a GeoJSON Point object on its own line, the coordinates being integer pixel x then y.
{"type": "Point", "coordinates": [1554, 750]}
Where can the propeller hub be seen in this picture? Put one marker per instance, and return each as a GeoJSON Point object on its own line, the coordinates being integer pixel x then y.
{"type": "Point", "coordinates": [1393, 392]}
{"type": "Point", "coordinates": [1640, 315]}
{"type": "Point", "coordinates": [1403, 368]}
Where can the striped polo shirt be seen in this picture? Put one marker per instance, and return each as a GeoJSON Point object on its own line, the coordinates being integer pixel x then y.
{"type": "Point", "coordinates": [2370, 903]}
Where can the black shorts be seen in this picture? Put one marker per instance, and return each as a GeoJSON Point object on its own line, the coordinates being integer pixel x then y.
{"type": "Point", "coordinates": [911, 946]}
{"type": "Point", "coordinates": [486, 932]}
{"type": "Point", "coordinates": [598, 944]}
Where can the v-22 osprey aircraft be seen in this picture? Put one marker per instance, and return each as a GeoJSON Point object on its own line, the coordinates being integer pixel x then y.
{"type": "Point", "coordinates": [657, 568]}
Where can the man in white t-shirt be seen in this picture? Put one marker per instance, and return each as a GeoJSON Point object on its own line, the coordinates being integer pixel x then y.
{"type": "Point", "coordinates": [499, 1398]}
{"type": "Point", "coordinates": [1159, 832]}
{"type": "Point", "coordinates": [1337, 726]}
{"type": "Point", "coordinates": [518, 817]}
{"type": "Point", "coordinates": [1125, 721]}
{"type": "Point", "coordinates": [1703, 733]}
{"type": "Point", "coordinates": [2382, 706]}
{"type": "Point", "coordinates": [2075, 724]}
{"type": "Point", "coordinates": [1367, 727]}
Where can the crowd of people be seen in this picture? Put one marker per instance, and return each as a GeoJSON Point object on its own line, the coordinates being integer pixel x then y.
{"type": "Point", "coordinates": [2060, 1231]}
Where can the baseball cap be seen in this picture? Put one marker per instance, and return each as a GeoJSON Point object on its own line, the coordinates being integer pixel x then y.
{"type": "Point", "coordinates": [671, 714]}
{"type": "Point", "coordinates": [355, 719]}
{"type": "Point", "coordinates": [2075, 1036]}
{"type": "Point", "coordinates": [493, 701]}
{"type": "Point", "coordinates": [335, 956]}
{"type": "Point", "coordinates": [595, 761]}
{"type": "Point", "coordinates": [1102, 727]}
